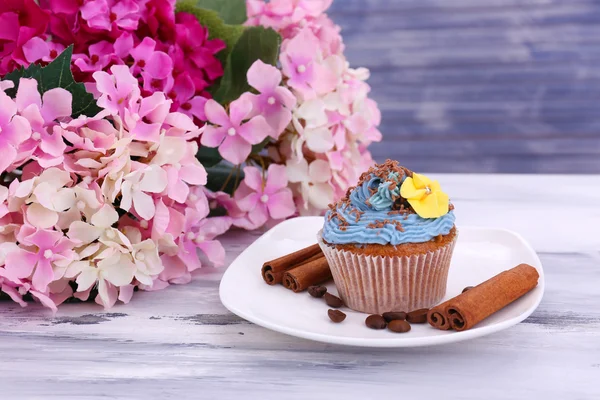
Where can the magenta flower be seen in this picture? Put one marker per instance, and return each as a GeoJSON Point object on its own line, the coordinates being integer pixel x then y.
{"type": "Point", "coordinates": [193, 52]}
{"type": "Point", "coordinates": [45, 250]}
{"type": "Point", "coordinates": [149, 63]}
{"type": "Point", "coordinates": [119, 90]}
{"type": "Point", "coordinates": [274, 102]}
{"type": "Point", "coordinates": [100, 56]}
{"type": "Point", "coordinates": [103, 14]}
{"type": "Point", "coordinates": [234, 134]}
{"type": "Point", "coordinates": [37, 49]}
{"type": "Point", "coordinates": [184, 98]}
{"type": "Point", "coordinates": [264, 199]}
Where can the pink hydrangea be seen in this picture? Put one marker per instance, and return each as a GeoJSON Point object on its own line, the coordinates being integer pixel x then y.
{"type": "Point", "coordinates": [235, 133]}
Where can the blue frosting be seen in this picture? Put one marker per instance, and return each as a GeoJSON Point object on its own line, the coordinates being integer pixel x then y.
{"type": "Point", "coordinates": [375, 207]}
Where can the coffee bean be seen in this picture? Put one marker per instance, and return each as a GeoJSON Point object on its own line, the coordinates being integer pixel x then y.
{"type": "Point", "coordinates": [336, 315]}
{"type": "Point", "coordinates": [317, 291]}
{"type": "Point", "coordinates": [393, 315]}
{"type": "Point", "coordinates": [467, 288]}
{"type": "Point", "coordinates": [399, 326]}
{"type": "Point", "coordinates": [333, 301]}
{"type": "Point", "coordinates": [417, 316]}
{"type": "Point", "coordinates": [375, 322]}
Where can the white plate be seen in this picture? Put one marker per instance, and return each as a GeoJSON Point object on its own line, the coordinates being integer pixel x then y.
{"type": "Point", "coordinates": [480, 253]}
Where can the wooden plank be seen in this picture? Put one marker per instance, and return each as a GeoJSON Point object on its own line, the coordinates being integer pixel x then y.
{"type": "Point", "coordinates": [182, 343]}
{"type": "Point", "coordinates": [480, 84]}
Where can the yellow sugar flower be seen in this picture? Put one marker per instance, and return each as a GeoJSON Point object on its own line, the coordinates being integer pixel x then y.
{"type": "Point", "coordinates": [425, 196]}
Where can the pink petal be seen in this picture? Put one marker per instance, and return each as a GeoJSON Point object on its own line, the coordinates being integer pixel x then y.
{"type": "Point", "coordinates": [43, 274]}
{"type": "Point", "coordinates": [215, 113]}
{"type": "Point", "coordinates": [253, 178]}
{"type": "Point", "coordinates": [13, 294]}
{"type": "Point", "coordinates": [28, 94]}
{"type": "Point", "coordinates": [178, 190]}
{"type": "Point", "coordinates": [9, 154]}
{"type": "Point", "coordinates": [213, 136]}
{"type": "Point", "coordinates": [276, 178]}
{"type": "Point", "coordinates": [193, 174]}
{"type": "Point", "coordinates": [235, 149]}
{"type": "Point", "coordinates": [35, 49]}
{"type": "Point", "coordinates": [107, 294]}
{"type": "Point", "coordinates": [159, 65]}
{"type": "Point", "coordinates": [143, 50]}
{"type": "Point", "coordinates": [258, 215]}
{"type": "Point", "coordinates": [45, 300]}
{"type": "Point", "coordinates": [281, 204]}
{"type": "Point", "coordinates": [8, 108]}
{"type": "Point", "coordinates": [239, 110]}
{"type": "Point", "coordinates": [126, 293]}
{"type": "Point", "coordinates": [189, 256]}
{"type": "Point", "coordinates": [255, 130]}
{"type": "Point", "coordinates": [184, 87]}
{"type": "Point", "coordinates": [197, 104]}
{"type": "Point", "coordinates": [214, 251]}
{"type": "Point", "coordinates": [263, 77]}
{"type": "Point", "coordinates": [43, 238]}
{"type": "Point", "coordinates": [123, 45]}
{"type": "Point", "coordinates": [181, 121]}
{"type": "Point", "coordinates": [215, 226]}
{"type": "Point", "coordinates": [19, 264]}
{"type": "Point", "coordinates": [278, 121]}
{"type": "Point", "coordinates": [249, 202]}
{"type": "Point", "coordinates": [286, 97]}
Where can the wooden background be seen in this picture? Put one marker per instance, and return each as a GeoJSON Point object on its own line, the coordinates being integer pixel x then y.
{"type": "Point", "coordinates": [481, 85]}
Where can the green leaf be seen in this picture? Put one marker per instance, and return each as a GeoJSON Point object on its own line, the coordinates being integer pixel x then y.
{"type": "Point", "coordinates": [217, 28]}
{"type": "Point", "coordinates": [232, 12]}
{"type": "Point", "coordinates": [222, 177]}
{"type": "Point", "coordinates": [208, 156]}
{"type": "Point", "coordinates": [57, 74]}
{"type": "Point", "coordinates": [254, 44]}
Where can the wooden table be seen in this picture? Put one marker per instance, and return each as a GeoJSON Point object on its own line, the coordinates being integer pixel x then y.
{"type": "Point", "coordinates": [182, 343]}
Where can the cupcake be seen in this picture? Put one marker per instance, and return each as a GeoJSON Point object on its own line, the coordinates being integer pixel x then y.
{"type": "Point", "coordinates": [389, 241]}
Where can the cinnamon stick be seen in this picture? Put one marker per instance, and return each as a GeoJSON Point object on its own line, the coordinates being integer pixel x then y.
{"type": "Point", "coordinates": [473, 306]}
{"type": "Point", "coordinates": [437, 316]}
{"type": "Point", "coordinates": [311, 273]}
{"type": "Point", "coordinates": [272, 271]}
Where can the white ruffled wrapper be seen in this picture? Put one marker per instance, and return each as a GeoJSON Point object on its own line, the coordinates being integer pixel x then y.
{"type": "Point", "coordinates": [377, 284]}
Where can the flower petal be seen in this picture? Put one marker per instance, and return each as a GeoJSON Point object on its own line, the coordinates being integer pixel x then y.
{"type": "Point", "coordinates": [154, 179]}
{"type": "Point", "coordinates": [319, 171]}
{"type": "Point", "coordinates": [143, 204]}
{"type": "Point", "coordinates": [83, 233]}
{"type": "Point", "coordinates": [253, 178]}
{"type": "Point", "coordinates": [255, 130]}
{"type": "Point", "coordinates": [235, 149]}
{"type": "Point", "coordinates": [105, 217]}
{"type": "Point", "coordinates": [215, 113]}
{"type": "Point", "coordinates": [239, 110]}
{"type": "Point", "coordinates": [263, 77]}
{"type": "Point", "coordinates": [41, 217]}
{"type": "Point", "coordinates": [281, 204]}
{"type": "Point", "coordinates": [297, 170]}
{"type": "Point", "coordinates": [276, 178]}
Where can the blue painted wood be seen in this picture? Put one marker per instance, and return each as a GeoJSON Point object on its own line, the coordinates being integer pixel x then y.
{"type": "Point", "coordinates": [481, 85]}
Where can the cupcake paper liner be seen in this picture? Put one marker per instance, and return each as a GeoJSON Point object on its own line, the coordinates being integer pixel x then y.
{"type": "Point", "coordinates": [377, 284]}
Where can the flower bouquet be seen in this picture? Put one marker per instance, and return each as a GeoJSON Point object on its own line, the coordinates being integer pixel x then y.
{"type": "Point", "coordinates": [134, 132]}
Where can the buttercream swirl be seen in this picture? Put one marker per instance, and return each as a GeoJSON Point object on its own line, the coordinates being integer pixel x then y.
{"type": "Point", "coordinates": [370, 205]}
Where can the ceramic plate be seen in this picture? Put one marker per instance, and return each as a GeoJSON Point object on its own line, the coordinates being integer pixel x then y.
{"type": "Point", "coordinates": [480, 253]}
